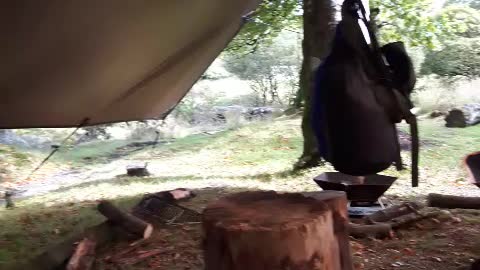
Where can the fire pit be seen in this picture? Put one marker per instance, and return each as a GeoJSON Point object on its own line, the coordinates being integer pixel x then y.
{"type": "Point", "coordinates": [364, 197]}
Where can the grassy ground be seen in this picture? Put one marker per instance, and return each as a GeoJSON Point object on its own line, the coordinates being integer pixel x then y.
{"type": "Point", "coordinates": [257, 156]}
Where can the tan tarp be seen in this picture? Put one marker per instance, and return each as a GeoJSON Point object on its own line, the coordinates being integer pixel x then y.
{"type": "Point", "coordinates": [62, 61]}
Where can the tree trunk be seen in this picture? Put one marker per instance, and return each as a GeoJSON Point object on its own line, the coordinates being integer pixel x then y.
{"type": "Point", "coordinates": [270, 231]}
{"type": "Point", "coordinates": [318, 19]}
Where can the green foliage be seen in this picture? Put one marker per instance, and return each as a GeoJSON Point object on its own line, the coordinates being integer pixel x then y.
{"type": "Point", "coordinates": [416, 22]}
{"type": "Point", "coordinates": [460, 57]}
{"type": "Point", "coordinates": [406, 20]}
{"type": "Point", "coordinates": [266, 23]}
{"type": "Point", "coordinates": [458, 20]}
{"type": "Point", "coordinates": [270, 68]}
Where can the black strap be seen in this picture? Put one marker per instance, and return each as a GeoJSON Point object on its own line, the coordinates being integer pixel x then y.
{"type": "Point", "coordinates": [402, 100]}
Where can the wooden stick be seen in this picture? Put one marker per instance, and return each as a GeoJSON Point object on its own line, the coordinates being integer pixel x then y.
{"type": "Point", "coordinates": [449, 201]}
{"type": "Point", "coordinates": [125, 220]}
{"type": "Point", "coordinates": [83, 257]}
{"type": "Point", "coordinates": [413, 217]}
{"type": "Point", "coordinates": [392, 212]}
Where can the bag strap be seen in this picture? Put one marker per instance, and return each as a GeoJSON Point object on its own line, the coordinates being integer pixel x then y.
{"type": "Point", "coordinates": [402, 100]}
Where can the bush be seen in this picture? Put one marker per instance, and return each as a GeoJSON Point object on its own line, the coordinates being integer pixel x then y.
{"type": "Point", "coordinates": [458, 58]}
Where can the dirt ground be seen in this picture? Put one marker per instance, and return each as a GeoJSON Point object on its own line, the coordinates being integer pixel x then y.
{"type": "Point", "coordinates": [450, 244]}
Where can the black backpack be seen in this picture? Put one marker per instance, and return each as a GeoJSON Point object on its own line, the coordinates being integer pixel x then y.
{"type": "Point", "coordinates": [361, 92]}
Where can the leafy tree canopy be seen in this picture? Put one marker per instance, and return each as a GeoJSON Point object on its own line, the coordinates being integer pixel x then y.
{"type": "Point", "coordinates": [266, 23]}
{"type": "Point", "coordinates": [271, 68]}
{"type": "Point", "coordinates": [459, 57]}
{"type": "Point", "coordinates": [406, 20]}
{"type": "Point", "coordinates": [416, 22]}
{"type": "Point", "coordinates": [459, 20]}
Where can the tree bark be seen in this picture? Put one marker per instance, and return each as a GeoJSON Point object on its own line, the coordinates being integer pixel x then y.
{"type": "Point", "coordinates": [125, 220]}
{"type": "Point", "coordinates": [318, 26]}
{"type": "Point", "coordinates": [270, 231]}
{"type": "Point", "coordinates": [448, 201]}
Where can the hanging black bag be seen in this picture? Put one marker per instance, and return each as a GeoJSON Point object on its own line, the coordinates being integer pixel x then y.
{"type": "Point", "coordinates": [361, 92]}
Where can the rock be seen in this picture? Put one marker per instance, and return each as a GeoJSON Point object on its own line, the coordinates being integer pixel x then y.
{"type": "Point", "coordinates": [468, 115]}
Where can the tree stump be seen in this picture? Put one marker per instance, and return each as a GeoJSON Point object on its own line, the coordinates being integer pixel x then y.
{"type": "Point", "coordinates": [270, 231]}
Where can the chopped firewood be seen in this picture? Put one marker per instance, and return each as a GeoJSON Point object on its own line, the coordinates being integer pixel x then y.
{"type": "Point", "coordinates": [449, 201]}
{"type": "Point", "coordinates": [125, 220]}
{"type": "Point", "coordinates": [378, 230]}
{"type": "Point", "coordinates": [83, 257]}
{"type": "Point", "coordinates": [392, 212]}
{"type": "Point", "coordinates": [408, 219]}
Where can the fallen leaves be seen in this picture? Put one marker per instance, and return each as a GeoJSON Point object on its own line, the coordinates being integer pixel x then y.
{"type": "Point", "coordinates": [408, 252]}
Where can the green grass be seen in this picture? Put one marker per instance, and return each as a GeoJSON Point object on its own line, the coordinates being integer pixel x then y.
{"type": "Point", "coordinates": [448, 145]}
{"type": "Point", "coordinates": [262, 153]}
{"type": "Point", "coordinates": [32, 227]}
{"type": "Point", "coordinates": [91, 150]}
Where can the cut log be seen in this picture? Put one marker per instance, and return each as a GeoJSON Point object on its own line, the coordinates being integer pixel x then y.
{"type": "Point", "coordinates": [392, 212]}
{"type": "Point", "coordinates": [379, 230]}
{"type": "Point", "coordinates": [125, 220]}
{"type": "Point", "coordinates": [83, 257]}
{"type": "Point", "coordinates": [449, 201]}
{"type": "Point", "coordinates": [270, 231]}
